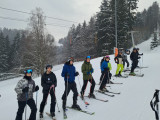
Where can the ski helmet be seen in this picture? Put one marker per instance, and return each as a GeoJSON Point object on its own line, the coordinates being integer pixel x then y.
{"type": "Point", "coordinates": [70, 59]}
{"type": "Point", "coordinates": [134, 48]}
{"type": "Point", "coordinates": [28, 71]}
{"type": "Point", "coordinates": [88, 57]}
{"type": "Point", "coordinates": [47, 66]}
{"type": "Point", "coordinates": [107, 56]}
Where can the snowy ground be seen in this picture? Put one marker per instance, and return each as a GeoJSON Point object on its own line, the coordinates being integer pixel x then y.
{"type": "Point", "coordinates": [131, 104]}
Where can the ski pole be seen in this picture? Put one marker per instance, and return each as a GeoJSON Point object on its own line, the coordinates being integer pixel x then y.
{"type": "Point", "coordinates": [48, 94]}
{"type": "Point", "coordinates": [86, 103]}
{"type": "Point", "coordinates": [90, 86]}
{"type": "Point", "coordinates": [56, 98]}
{"type": "Point", "coordinates": [102, 79]}
{"type": "Point", "coordinates": [36, 97]}
{"type": "Point", "coordinates": [26, 106]}
{"type": "Point", "coordinates": [66, 90]}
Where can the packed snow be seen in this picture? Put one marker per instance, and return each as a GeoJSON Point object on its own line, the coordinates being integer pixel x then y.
{"type": "Point", "coordinates": [131, 104]}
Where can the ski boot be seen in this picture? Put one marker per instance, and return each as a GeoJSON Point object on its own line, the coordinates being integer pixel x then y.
{"type": "Point", "coordinates": [91, 95]}
{"type": "Point", "coordinates": [132, 74]}
{"type": "Point", "coordinates": [41, 116]}
{"type": "Point", "coordinates": [75, 105]}
{"type": "Point", "coordinates": [116, 75]}
{"type": "Point", "coordinates": [101, 91]}
{"type": "Point", "coordinates": [119, 75]}
{"type": "Point", "coordinates": [53, 115]}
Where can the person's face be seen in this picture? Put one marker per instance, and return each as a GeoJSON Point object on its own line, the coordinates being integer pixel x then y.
{"type": "Point", "coordinates": [28, 74]}
{"type": "Point", "coordinates": [49, 69]}
{"type": "Point", "coordinates": [107, 59]}
{"type": "Point", "coordinates": [88, 60]}
{"type": "Point", "coordinates": [134, 50]}
{"type": "Point", "coordinates": [71, 62]}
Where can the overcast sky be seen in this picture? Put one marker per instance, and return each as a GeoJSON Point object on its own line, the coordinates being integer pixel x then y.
{"type": "Point", "coordinates": [73, 10]}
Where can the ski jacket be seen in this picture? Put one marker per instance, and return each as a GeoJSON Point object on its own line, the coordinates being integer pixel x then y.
{"type": "Point", "coordinates": [118, 59]}
{"type": "Point", "coordinates": [68, 70]}
{"type": "Point", "coordinates": [134, 56]}
{"type": "Point", "coordinates": [87, 68]}
{"type": "Point", "coordinates": [101, 62]}
{"type": "Point", "coordinates": [21, 85]}
{"type": "Point", "coordinates": [47, 80]}
{"type": "Point", "coordinates": [124, 56]}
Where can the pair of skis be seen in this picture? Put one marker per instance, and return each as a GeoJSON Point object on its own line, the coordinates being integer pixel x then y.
{"type": "Point", "coordinates": [83, 111]}
{"type": "Point", "coordinates": [120, 76]}
{"type": "Point", "coordinates": [137, 75]}
{"type": "Point", "coordinates": [53, 118]}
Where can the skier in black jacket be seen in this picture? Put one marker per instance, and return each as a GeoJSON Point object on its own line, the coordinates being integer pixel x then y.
{"type": "Point", "coordinates": [48, 82]}
{"type": "Point", "coordinates": [134, 57]}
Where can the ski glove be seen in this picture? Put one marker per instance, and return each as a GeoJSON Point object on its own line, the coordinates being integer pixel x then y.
{"type": "Point", "coordinates": [88, 73]}
{"type": "Point", "coordinates": [77, 73]}
{"type": "Point", "coordinates": [25, 90]}
{"type": "Point", "coordinates": [37, 88]}
{"type": "Point", "coordinates": [92, 70]}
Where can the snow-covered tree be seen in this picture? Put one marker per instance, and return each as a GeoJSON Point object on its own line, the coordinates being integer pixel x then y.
{"type": "Point", "coordinates": [154, 42]}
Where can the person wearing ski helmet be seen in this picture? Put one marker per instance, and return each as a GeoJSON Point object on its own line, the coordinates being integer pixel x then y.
{"type": "Point", "coordinates": [100, 67]}
{"type": "Point", "coordinates": [25, 89]}
{"type": "Point", "coordinates": [69, 73]}
{"type": "Point", "coordinates": [134, 58]}
{"type": "Point", "coordinates": [87, 71]}
{"type": "Point", "coordinates": [124, 55]}
{"type": "Point", "coordinates": [48, 83]}
{"type": "Point", "coordinates": [119, 60]}
{"type": "Point", "coordinates": [105, 68]}
{"type": "Point", "coordinates": [139, 55]}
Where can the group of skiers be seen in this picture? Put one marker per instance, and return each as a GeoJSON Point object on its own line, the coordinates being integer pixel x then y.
{"type": "Point", "coordinates": [26, 86]}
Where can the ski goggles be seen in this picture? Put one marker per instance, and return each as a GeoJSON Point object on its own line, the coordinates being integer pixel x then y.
{"type": "Point", "coordinates": [88, 57]}
{"type": "Point", "coordinates": [28, 71]}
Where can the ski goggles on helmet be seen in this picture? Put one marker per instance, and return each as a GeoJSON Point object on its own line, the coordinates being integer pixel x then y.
{"type": "Point", "coordinates": [107, 57]}
{"type": "Point", "coordinates": [28, 71]}
{"type": "Point", "coordinates": [71, 59]}
{"type": "Point", "coordinates": [88, 57]}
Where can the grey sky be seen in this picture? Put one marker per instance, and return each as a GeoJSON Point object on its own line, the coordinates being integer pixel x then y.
{"type": "Point", "coordinates": [74, 10]}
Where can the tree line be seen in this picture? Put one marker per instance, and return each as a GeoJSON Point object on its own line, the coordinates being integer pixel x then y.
{"type": "Point", "coordinates": [97, 37]}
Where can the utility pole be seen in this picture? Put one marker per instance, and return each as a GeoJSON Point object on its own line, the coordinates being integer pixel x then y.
{"type": "Point", "coordinates": [116, 22]}
{"type": "Point", "coordinates": [132, 33]}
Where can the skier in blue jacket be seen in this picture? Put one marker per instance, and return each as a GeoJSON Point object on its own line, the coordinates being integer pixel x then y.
{"type": "Point", "coordinates": [69, 73]}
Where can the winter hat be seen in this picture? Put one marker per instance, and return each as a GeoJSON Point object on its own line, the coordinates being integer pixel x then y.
{"type": "Point", "coordinates": [137, 48]}
{"type": "Point", "coordinates": [47, 66]}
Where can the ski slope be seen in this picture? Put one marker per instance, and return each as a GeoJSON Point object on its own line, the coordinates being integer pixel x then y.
{"type": "Point", "coordinates": [131, 104]}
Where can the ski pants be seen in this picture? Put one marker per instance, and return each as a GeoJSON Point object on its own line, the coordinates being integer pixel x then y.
{"type": "Point", "coordinates": [21, 107]}
{"type": "Point", "coordinates": [71, 86]}
{"type": "Point", "coordinates": [134, 65]}
{"type": "Point", "coordinates": [85, 82]}
{"type": "Point", "coordinates": [125, 61]}
{"type": "Point", "coordinates": [44, 101]}
{"type": "Point", "coordinates": [105, 80]}
{"type": "Point", "coordinates": [119, 68]}
{"type": "Point", "coordinates": [101, 76]}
